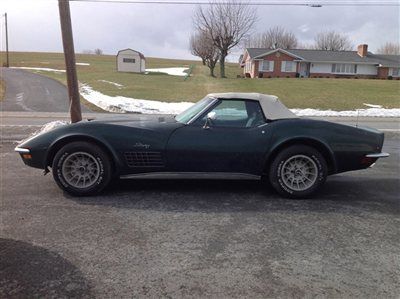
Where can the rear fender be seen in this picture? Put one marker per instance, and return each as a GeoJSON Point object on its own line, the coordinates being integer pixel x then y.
{"type": "Point", "coordinates": [320, 145]}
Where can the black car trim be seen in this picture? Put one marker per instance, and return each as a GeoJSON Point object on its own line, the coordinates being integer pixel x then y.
{"type": "Point", "coordinates": [211, 104]}
{"type": "Point", "coordinates": [192, 175]}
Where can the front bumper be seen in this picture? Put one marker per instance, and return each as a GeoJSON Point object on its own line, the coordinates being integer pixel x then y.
{"type": "Point", "coordinates": [22, 150]}
{"type": "Point", "coordinates": [32, 158]}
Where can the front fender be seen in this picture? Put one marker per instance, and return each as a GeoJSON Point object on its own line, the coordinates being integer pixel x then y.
{"type": "Point", "coordinates": [60, 141]}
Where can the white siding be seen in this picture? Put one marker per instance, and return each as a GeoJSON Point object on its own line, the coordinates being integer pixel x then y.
{"type": "Point", "coordinates": [143, 65]}
{"type": "Point", "coordinates": [326, 68]}
{"type": "Point", "coordinates": [394, 73]}
{"type": "Point", "coordinates": [367, 69]}
{"type": "Point", "coordinates": [323, 68]}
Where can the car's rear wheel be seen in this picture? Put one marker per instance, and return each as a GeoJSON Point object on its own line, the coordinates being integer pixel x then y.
{"type": "Point", "coordinates": [298, 171]}
{"type": "Point", "coordinates": [81, 168]}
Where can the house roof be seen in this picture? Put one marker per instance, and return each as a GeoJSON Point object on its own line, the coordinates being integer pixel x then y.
{"type": "Point", "coordinates": [129, 49]}
{"type": "Point", "coordinates": [272, 107]}
{"type": "Point", "coordinates": [331, 56]}
{"type": "Point", "coordinates": [388, 60]}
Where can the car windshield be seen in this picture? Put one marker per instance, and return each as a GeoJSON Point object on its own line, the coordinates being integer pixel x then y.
{"type": "Point", "coordinates": [189, 113]}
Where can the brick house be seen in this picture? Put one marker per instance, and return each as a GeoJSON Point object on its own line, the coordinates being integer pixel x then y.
{"type": "Point", "coordinates": [290, 63]}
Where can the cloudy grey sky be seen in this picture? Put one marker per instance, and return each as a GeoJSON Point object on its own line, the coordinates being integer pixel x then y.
{"type": "Point", "coordinates": [164, 30]}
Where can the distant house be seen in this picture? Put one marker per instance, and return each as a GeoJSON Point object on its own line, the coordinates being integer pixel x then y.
{"type": "Point", "coordinates": [129, 60]}
{"type": "Point", "coordinates": [275, 63]}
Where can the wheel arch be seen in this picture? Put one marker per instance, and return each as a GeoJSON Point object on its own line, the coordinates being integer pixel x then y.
{"type": "Point", "coordinates": [59, 143]}
{"type": "Point", "coordinates": [319, 145]}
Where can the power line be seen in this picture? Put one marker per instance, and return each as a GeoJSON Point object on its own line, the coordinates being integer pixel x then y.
{"type": "Point", "coordinates": [259, 3]}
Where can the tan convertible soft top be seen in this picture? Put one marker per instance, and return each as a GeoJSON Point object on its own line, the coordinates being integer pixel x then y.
{"type": "Point", "coordinates": [271, 105]}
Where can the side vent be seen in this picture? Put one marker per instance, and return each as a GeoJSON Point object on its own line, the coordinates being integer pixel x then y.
{"type": "Point", "coordinates": [144, 159]}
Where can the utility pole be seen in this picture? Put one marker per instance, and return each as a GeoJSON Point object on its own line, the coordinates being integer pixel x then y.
{"type": "Point", "coordinates": [69, 54]}
{"type": "Point", "coordinates": [7, 59]}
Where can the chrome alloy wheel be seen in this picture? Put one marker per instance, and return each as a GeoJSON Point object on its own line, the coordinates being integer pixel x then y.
{"type": "Point", "coordinates": [81, 170]}
{"type": "Point", "coordinates": [299, 172]}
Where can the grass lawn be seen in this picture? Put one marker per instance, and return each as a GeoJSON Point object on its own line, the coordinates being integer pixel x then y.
{"type": "Point", "coordinates": [2, 89]}
{"type": "Point", "coordinates": [335, 94]}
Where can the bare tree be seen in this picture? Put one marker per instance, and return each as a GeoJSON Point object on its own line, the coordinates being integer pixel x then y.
{"type": "Point", "coordinates": [305, 45]}
{"type": "Point", "coordinates": [202, 45]}
{"type": "Point", "coordinates": [273, 38]}
{"type": "Point", "coordinates": [389, 49]}
{"type": "Point", "coordinates": [332, 41]}
{"type": "Point", "coordinates": [197, 46]}
{"type": "Point", "coordinates": [87, 52]}
{"type": "Point", "coordinates": [227, 23]}
{"type": "Point", "coordinates": [98, 51]}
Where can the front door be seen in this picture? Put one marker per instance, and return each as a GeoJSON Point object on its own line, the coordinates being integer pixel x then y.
{"type": "Point", "coordinates": [235, 141]}
{"type": "Point", "coordinates": [304, 69]}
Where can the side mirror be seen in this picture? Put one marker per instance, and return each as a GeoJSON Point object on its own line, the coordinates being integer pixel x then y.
{"type": "Point", "coordinates": [210, 117]}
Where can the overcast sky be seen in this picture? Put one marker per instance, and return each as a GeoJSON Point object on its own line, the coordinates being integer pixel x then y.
{"type": "Point", "coordinates": [164, 30]}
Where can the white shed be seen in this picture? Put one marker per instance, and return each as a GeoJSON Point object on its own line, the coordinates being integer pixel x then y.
{"type": "Point", "coordinates": [129, 60]}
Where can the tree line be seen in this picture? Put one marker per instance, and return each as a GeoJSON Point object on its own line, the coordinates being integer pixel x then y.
{"type": "Point", "coordinates": [221, 26]}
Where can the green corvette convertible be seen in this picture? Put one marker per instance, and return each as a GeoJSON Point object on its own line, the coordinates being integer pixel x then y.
{"type": "Point", "coordinates": [244, 136]}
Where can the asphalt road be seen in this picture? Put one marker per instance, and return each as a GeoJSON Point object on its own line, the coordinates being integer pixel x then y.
{"type": "Point", "coordinates": [179, 239]}
{"type": "Point", "coordinates": [31, 92]}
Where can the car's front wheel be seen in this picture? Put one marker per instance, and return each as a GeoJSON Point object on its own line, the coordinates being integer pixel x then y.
{"type": "Point", "coordinates": [298, 171]}
{"type": "Point", "coordinates": [81, 168]}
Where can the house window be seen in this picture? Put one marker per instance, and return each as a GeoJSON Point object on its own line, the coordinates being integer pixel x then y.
{"type": "Point", "coordinates": [288, 66]}
{"type": "Point", "coordinates": [267, 66]}
{"type": "Point", "coordinates": [128, 60]}
{"type": "Point", "coordinates": [344, 68]}
{"type": "Point", "coordinates": [395, 72]}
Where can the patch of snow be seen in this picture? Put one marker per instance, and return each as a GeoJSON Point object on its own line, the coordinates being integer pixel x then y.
{"type": "Point", "coordinates": [52, 125]}
{"type": "Point", "coordinates": [38, 69]}
{"type": "Point", "coordinates": [82, 63]}
{"type": "Point", "coordinates": [113, 83]}
{"type": "Point", "coordinates": [372, 105]}
{"type": "Point", "coordinates": [174, 71]}
{"type": "Point", "coordinates": [124, 104]}
{"type": "Point", "coordinates": [370, 112]}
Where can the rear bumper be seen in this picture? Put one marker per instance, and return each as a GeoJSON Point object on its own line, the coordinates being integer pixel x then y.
{"type": "Point", "coordinates": [377, 155]}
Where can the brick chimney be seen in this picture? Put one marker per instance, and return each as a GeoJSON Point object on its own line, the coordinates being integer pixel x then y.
{"type": "Point", "coordinates": [362, 50]}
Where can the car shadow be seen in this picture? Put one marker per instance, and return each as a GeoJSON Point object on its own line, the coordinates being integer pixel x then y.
{"type": "Point", "coordinates": [339, 194]}
{"type": "Point", "coordinates": [29, 271]}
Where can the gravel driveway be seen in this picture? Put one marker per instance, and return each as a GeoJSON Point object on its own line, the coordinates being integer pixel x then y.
{"type": "Point", "coordinates": [179, 239]}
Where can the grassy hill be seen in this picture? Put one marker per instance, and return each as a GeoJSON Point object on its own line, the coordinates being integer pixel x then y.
{"type": "Point", "coordinates": [336, 94]}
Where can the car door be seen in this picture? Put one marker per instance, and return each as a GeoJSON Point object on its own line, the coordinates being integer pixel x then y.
{"type": "Point", "coordinates": [235, 141]}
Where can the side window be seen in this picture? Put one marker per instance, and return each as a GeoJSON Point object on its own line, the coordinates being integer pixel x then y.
{"type": "Point", "coordinates": [231, 111]}
{"type": "Point", "coordinates": [236, 113]}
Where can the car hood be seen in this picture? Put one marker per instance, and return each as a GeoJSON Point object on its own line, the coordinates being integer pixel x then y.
{"type": "Point", "coordinates": [116, 132]}
{"type": "Point", "coordinates": [136, 120]}
{"type": "Point", "coordinates": [161, 123]}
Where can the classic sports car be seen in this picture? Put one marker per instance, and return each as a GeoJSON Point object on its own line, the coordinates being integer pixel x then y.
{"type": "Point", "coordinates": [223, 136]}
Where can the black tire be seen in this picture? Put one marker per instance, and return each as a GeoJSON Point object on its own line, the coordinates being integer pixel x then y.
{"type": "Point", "coordinates": [98, 160]}
{"type": "Point", "coordinates": [286, 184]}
